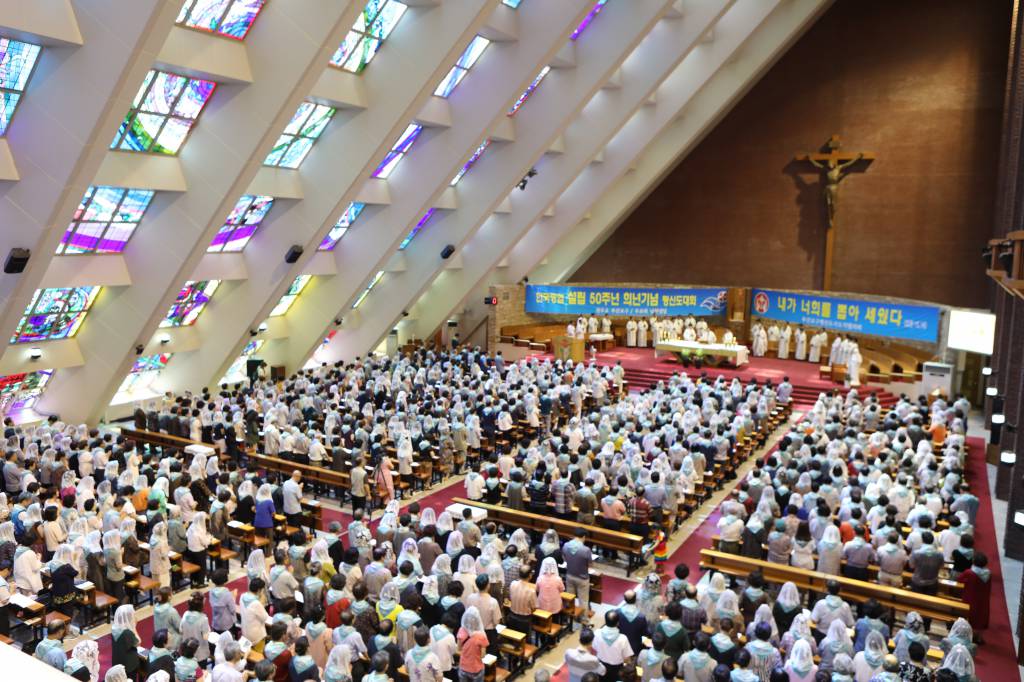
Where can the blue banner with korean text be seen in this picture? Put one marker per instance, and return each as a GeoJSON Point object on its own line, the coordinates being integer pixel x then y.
{"type": "Point", "coordinates": [640, 302]}
{"type": "Point", "coordinates": [845, 315]}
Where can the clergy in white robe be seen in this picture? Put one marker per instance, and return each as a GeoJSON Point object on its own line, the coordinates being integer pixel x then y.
{"type": "Point", "coordinates": [691, 322]}
{"type": "Point", "coordinates": [570, 330]}
{"type": "Point", "coordinates": [728, 338]}
{"type": "Point", "coordinates": [817, 341]}
{"type": "Point", "coordinates": [702, 326]}
{"type": "Point", "coordinates": [710, 337]}
{"type": "Point", "coordinates": [641, 333]}
{"type": "Point", "coordinates": [677, 328]}
{"type": "Point", "coordinates": [631, 333]}
{"type": "Point", "coordinates": [773, 333]}
{"type": "Point", "coordinates": [581, 328]}
{"type": "Point", "coordinates": [592, 325]}
{"type": "Point", "coordinates": [760, 345]}
{"type": "Point", "coordinates": [689, 334]}
{"type": "Point", "coordinates": [835, 355]}
{"type": "Point", "coordinates": [801, 344]}
{"type": "Point", "coordinates": [784, 339]}
{"type": "Point", "coordinates": [606, 325]}
{"type": "Point", "coordinates": [853, 365]}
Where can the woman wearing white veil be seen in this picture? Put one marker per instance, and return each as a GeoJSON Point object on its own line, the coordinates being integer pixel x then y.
{"type": "Point", "coordinates": [125, 640]}
{"type": "Point", "coordinates": [837, 641]}
{"type": "Point", "coordinates": [800, 665]}
{"type": "Point", "coordinates": [428, 517]}
{"type": "Point", "coordinates": [454, 546]}
{"type": "Point", "coordinates": [473, 643]}
{"type": "Point", "coordinates": [198, 541]}
{"type": "Point", "coordinates": [339, 664]}
{"type": "Point", "coordinates": [960, 661]}
{"type": "Point", "coordinates": [869, 661]}
{"type": "Point", "coordinates": [442, 570]}
{"type": "Point", "coordinates": [410, 552]}
{"type": "Point", "coordinates": [466, 575]}
{"type": "Point", "coordinates": [116, 673]}
{"type": "Point", "coordinates": [85, 656]}
{"type": "Point", "coordinates": [160, 555]}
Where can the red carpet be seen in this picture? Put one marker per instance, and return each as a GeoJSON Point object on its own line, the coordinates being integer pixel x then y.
{"type": "Point", "coordinates": [642, 369]}
{"type": "Point", "coordinates": [997, 658]}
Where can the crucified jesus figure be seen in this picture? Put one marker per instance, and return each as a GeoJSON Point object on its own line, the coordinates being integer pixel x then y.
{"type": "Point", "coordinates": [833, 175]}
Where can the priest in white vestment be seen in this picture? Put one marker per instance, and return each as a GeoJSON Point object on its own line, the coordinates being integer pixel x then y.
{"type": "Point", "coordinates": [817, 341]}
{"type": "Point", "coordinates": [801, 344]}
{"type": "Point", "coordinates": [835, 356]}
{"type": "Point", "coordinates": [853, 362]}
{"type": "Point", "coordinates": [784, 339]}
{"type": "Point", "coordinates": [641, 333]}
{"type": "Point", "coordinates": [760, 345]}
{"type": "Point", "coordinates": [570, 330]}
{"type": "Point", "coordinates": [689, 334]}
{"type": "Point", "coordinates": [773, 333]}
{"type": "Point", "coordinates": [606, 325]}
{"type": "Point", "coordinates": [728, 338]}
{"type": "Point", "coordinates": [581, 328]}
{"type": "Point", "coordinates": [592, 325]}
{"type": "Point", "coordinates": [631, 333]}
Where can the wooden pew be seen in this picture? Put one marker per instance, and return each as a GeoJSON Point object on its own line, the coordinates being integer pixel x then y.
{"type": "Point", "coordinates": [938, 608]}
{"type": "Point", "coordinates": [947, 588]}
{"type": "Point", "coordinates": [162, 440]}
{"type": "Point", "coordinates": [595, 535]}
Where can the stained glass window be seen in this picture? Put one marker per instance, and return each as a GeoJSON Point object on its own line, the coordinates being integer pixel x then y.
{"type": "Point", "coordinates": [54, 314]}
{"type": "Point", "coordinates": [293, 293]}
{"type": "Point", "coordinates": [511, 3]}
{"type": "Point", "coordinates": [298, 137]}
{"type": "Point", "coordinates": [242, 223]}
{"type": "Point", "coordinates": [16, 62]}
{"type": "Point", "coordinates": [341, 227]}
{"type": "Point", "coordinates": [104, 220]}
{"type": "Point", "coordinates": [231, 18]}
{"type": "Point", "coordinates": [21, 391]}
{"type": "Point", "coordinates": [145, 370]}
{"type": "Point", "coordinates": [371, 29]}
{"type": "Point", "coordinates": [462, 66]}
{"type": "Point", "coordinates": [594, 11]}
{"type": "Point", "coordinates": [469, 164]}
{"type": "Point", "coordinates": [368, 289]}
{"type": "Point", "coordinates": [236, 372]}
{"type": "Point", "coordinates": [528, 91]}
{"type": "Point", "coordinates": [399, 150]}
{"type": "Point", "coordinates": [162, 114]}
{"type": "Point", "coordinates": [191, 300]}
{"type": "Point", "coordinates": [419, 226]}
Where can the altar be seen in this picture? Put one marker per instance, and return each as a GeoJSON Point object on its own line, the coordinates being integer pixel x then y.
{"type": "Point", "coordinates": [737, 354]}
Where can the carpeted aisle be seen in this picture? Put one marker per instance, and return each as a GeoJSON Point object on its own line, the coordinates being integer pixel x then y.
{"type": "Point", "coordinates": [997, 658]}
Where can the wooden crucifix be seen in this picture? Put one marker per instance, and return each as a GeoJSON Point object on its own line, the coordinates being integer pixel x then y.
{"type": "Point", "coordinates": [834, 165]}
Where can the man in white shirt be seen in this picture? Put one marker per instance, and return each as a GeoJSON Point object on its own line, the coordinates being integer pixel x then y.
{"type": "Point", "coordinates": [291, 491]}
{"type": "Point", "coordinates": [611, 646]}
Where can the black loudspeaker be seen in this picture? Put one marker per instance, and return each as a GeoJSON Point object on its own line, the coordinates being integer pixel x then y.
{"type": "Point", "coordinates": [293, 254]}
{"type": "Point", "coordinates": [16, 261]}
{"type": "Point", "coordinates": [447, 251]}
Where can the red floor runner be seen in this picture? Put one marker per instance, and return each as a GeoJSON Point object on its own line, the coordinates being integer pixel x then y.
{"type": "Point", "coordinates": [997, 658]}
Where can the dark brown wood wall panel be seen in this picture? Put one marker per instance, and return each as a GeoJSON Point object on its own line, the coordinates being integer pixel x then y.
{"type": "Point", "coordinates": [918, 82]}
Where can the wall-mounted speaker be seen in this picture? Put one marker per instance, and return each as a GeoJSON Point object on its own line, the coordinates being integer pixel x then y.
{"type": "Point", "coordinates": [447, 251]}
{"type": "Point", "coordinates": [16, 261]}
{"type": "Point", "coordinates": [293, 254]}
